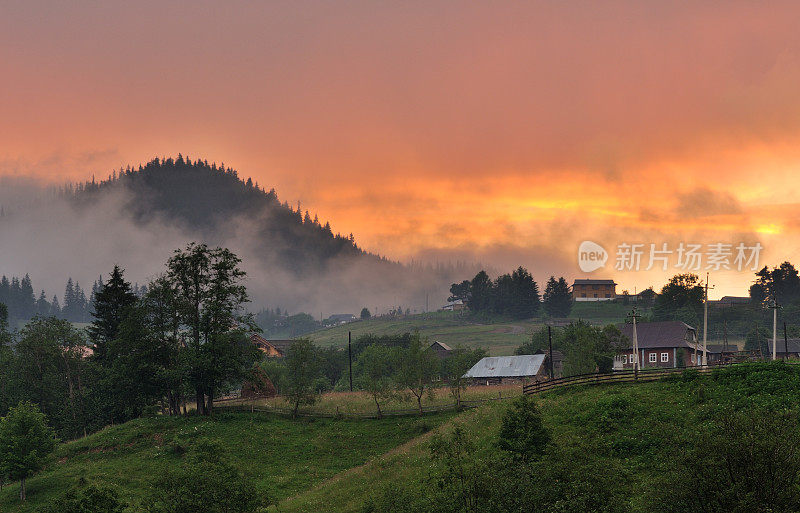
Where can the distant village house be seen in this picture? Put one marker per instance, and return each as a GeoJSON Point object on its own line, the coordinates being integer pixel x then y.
{"type": "Point", "coordinates": [661, 344]}
{"type": "Point", "coordinates": [271, 348]}
{"type": "Point", "coordinates": [440, 349]}
{"type": "Point", "coordinates": [337, 319]}
{"type": "Point", "coordinates": [594, 290]}
{"type": "Point", "coordinates": [454, 306]}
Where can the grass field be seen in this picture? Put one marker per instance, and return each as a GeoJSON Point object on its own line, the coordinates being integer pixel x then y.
{"type": "Point", "coordinates": [282, 456]}
{"type": "Point", "coordinates": [499, 337]}
{"type": "Point", "coordinates": [362, 402]}
{"type": "Point", "coordinates": [634, 431]}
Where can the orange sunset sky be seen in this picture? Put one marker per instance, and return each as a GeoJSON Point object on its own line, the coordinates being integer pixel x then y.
{"type": "Point", "coordinates": [505, 133]}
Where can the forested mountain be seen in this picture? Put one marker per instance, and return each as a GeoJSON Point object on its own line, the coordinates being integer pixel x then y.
{"type": "Point", "coordinates": [205, 197]}
{"type": "Point", "coordinates": [137, 216]}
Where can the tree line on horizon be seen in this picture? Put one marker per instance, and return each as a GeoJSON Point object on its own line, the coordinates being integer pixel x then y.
{"type": "Point", "coordinates": [17, 294]}
{"type": "Point", "coordinates": [514, 294]}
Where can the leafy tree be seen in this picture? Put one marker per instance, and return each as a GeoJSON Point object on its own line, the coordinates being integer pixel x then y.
{"type": "Point", "coordinates": [647, 296]}
{"type": "Point", "coordinates": [741, 461]}
{"type": "Point", "coordinates": [480, 292]}
{"type": "Point", "coordinates": [540, 341]}
{"type": "Point", "coordinates": [683, 291]}
{"type": "Point", "coordinates": [209, 295]}
{"type": "Point", "coordinates": [48, 371]}
{"type": "Point", "coordinates": [588, 348]}
{"type": "Point", "coordinates": [302, 371]}
{"type": "Point", "coordinates": [461, 477]}
{"type": "Point", "coordinates": [557, 298]}
{"type": "Point", "coordinates": [781, 284]}
{"type": "Point", "coordinates": [206, 482]}
{"type": "Point", "coordinates": [111, 304]}
{"type": "Point", "coordinates": [758, 339]}
{"type": "Point", "coordinates": [453, 368]}
{"type": "Point", "coordinates": [6, 361]}
{"type": "Point", "coordinates": [87, 499]}
{"type": "Point", "coordinates": [374, 373]}
{"type": "Point", "coordinates": [522, 432]}
{"type": "Point", "coordinates": [460, 291]}
{"type": "Point", "coordinates": [365, 314]}
{"type": "Point", "coordinates": [416, 368]}
{"type": "Point", "coordinates": [25, 443]}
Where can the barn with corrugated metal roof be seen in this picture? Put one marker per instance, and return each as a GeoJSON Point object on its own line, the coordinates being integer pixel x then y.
{"type": "Point", "coordinates": [495, 369]}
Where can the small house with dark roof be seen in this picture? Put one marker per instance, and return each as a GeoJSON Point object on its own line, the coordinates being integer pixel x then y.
{"type": "Point", "coordinates": [790, 347]}
{"type": "Point", "coordinates": [594, 290]}
{"type": "Point", "coordinates": [441, 349]}
{"type": "Point", "coordinates": [661, 344]}
{"type": "Point", "coordinates": [558, 362]}
{"type": "Point", "coordinates": [271, 348]}
{"type": "Point", "coordinates": [721, 353]}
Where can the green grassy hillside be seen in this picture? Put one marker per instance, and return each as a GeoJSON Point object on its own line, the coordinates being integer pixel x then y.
{"type": "Point", "coordinates": [283, 457]}
{"type": "Point", "coordinates": [628, 440]}
{"type": "Point", "coordinates": [624, 447]}
{"type": "Point", "coordinates": [500, 337]}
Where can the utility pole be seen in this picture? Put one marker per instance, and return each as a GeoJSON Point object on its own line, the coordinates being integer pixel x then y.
{"type": "Point", "coordinates": [634, 316]}
{"type": "Point", "coordinates": [705, 323]}
{"type": "Point", "coordinates": [774, 307]}
{"type": "Point", "coordinates": [724, 340]}
{"type": "Point", "coordinates": [785, 341]}
{"type": "Point", "coordinates": [550, 342]}
{"type": "Point", "coordinates": [350, 358]}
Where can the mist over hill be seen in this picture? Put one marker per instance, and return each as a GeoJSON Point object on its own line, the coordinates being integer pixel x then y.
{"type": "Point", "coordinates": [138, 216]}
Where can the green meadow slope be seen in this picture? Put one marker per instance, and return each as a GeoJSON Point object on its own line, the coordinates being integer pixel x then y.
{"type": "Point", "coordinates": [282, 457]}
{"type": "Point", "coordinates": [499, 337]}
{"type": "Point", "coordinates": [635, 436]}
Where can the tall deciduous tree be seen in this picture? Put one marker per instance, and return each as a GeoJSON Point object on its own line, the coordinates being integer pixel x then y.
{"type": "Point", "coordinates": [416, 369]}
{"type": "Point", "coordinates": [374, 373]}
{"type": "Point", "coordinates": [302, 370]}
{"type": "Point", "coordinates": [25, 443]}
{"type": "Point", "coordinates": [455, 365]}
{"type": "Point", "coordinates": [49, 369]}
{"type": "Point", "coordinates": [209, 294]}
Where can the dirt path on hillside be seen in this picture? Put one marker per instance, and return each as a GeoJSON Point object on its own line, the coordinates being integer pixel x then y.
{"type": "Point", "coordinates": [402, 448]}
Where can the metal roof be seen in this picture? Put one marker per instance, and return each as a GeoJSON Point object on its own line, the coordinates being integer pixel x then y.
{"type": "Point", "coordinates": [593, 282]}
{"type": "Point", "coordinates": [506, 366]}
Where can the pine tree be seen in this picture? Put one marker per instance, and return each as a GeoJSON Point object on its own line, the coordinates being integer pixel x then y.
{"type": "Point", "coordinates": [42, 306]}
{"type": "Point", "coordinates": [55, 308]}
{"type": "Point", "coordinates": [111, 305]}
{"type": "Point", "coordinates": [557, 298]}
{"type": "Point", "coordinates": [27, 300]}
{"type": "Point", "coordinates": [69, 301]}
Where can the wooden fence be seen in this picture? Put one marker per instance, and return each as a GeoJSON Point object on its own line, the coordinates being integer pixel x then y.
{"type": "Point", "coordinates": [625, 376]}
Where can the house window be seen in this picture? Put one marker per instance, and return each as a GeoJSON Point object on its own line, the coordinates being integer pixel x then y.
{"type": "Point", "coordinates": [653, 357]}
{"type": "Point", "coordinates": [633, 358]}
{"type": "Point", "coordinates": [624, 359]}
{"type": "Point", "coordinates": [595, 295]}
{"type": "Point", "coordinates": [664, 357]}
